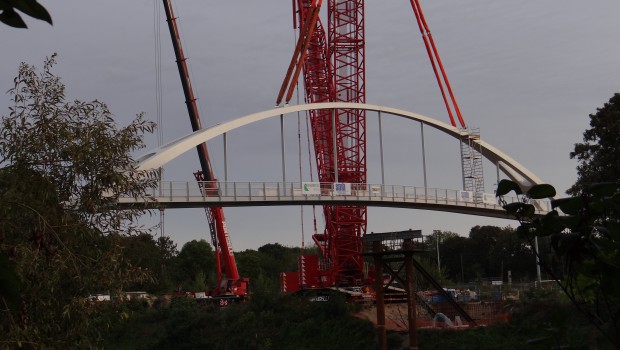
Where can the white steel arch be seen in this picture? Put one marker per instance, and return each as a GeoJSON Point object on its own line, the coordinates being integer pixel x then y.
{"type": "Point", "coordinates": [162, 155]}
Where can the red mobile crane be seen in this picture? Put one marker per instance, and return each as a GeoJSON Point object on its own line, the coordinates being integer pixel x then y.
{"type": "Point", "coordinates": [334, 71]}
{"type": "Point", "coordinates": [233, 286]}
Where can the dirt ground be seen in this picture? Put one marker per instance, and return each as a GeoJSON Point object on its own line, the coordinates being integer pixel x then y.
{"type": "Point", "coordinates": [396, 315]}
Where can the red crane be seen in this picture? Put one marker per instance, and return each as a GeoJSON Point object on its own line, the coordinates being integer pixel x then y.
{"type": "Point", "coordinates": [224, 256]}
{"type": "Point", "coordinates": [334, 70]}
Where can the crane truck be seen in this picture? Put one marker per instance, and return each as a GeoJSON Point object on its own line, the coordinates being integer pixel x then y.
{"type": "Point", "coordinates": [230, 286]}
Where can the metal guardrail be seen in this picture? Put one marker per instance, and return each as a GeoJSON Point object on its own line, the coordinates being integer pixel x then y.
{"type": "Point", "coordinates": [246, 193]}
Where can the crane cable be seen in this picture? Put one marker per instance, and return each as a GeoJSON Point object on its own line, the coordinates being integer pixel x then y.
{"type": "Point", "coordinates": [435, 59]}
{"type": "Point", "coordinates": [310, 167]}
{"type": "Point", "coordinates": [158, 77]}
{"type": "Point", "coordinates": [295, 26]}
{"type": "Point", "coordinates": [158, 97]}
{"type": "Point", "coordinates": [303, 240]}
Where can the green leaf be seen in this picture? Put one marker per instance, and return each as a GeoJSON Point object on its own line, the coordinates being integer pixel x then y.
{"type": "Point", "coordinates": [541, 191]}
{"type": "Point", "coordinates": [33, 9]}
{"type": "Point", "coordinates": [520, 209]}
{"type": "Point", "coordinates": [570, 205]}
{"type": "Point", "coordinates": [529, 211]}
{"type": "Point", "coordinates": [513, 208]}
{"type": "Point", "coordinates": [551, 223]}
{"type": "Point", "coordinates": [12, 18]}
{"type": "Point", "coordinates": [505, 186]}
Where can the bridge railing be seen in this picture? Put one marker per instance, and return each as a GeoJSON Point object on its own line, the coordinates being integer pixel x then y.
{"type": "Point", "coordinates": [273, 191]}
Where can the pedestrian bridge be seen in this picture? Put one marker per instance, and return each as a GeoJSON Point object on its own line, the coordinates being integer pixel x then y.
{"type": "Point", "coordinates": [173, 194]}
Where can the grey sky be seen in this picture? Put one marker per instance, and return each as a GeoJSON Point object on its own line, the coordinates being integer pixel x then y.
{"type": "Point", "coordinates": [527, 73]}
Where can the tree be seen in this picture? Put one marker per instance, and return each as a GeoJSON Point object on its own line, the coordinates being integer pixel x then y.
{"type": "Point", "coordinates": [10, 17]}
{"type": "Point", "coordinates": [195, 266]}
{"type": "Point", "coordinates": [584, 232]}
{"type": "Point", "coordinates": [154, 255]}
{"type": "Point", "coordinates": [446, 244]}
{"type": "Point", "coordinates": [63, 163]}
{"type": "Point", "coordinates": [599, 154]}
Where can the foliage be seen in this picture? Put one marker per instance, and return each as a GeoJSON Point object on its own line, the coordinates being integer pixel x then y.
{"type": "Point", "coordinates": [193, 268]}
{"type": "Point", "coordinates": [488, 253]}
{"type": "Point", "coordinates": [153, 255]}
{"type": "Point", "coordinates": [63, 162]}
{"type": "Point", "coordinates": [584, 232]}
{"type": "Point", "coordinates": [599, 154]}
{"type": "Point", "coordinates": [76, 146]}
{"type": "Point", "coordinates": [264, 265]}
{"type": "Point", "coordinates": [272, 322]}
{"type": "Point", "coordinates": [10, 17]}
{"type": "Point", "coordinates": [286, 322]}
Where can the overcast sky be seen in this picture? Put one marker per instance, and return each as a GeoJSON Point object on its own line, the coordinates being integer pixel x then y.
{"type": "Point", "coordinates": [527, 73]}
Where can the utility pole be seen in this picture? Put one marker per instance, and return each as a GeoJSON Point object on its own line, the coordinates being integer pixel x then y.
{"type": "Point", "coordinates": [462, 271]}
{"type": "Point", "coordinates": [537, 261]}
{"type": "Point", "coordinates": [437, 243]}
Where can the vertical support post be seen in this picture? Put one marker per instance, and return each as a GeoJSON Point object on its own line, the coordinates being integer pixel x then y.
{"type": "Point", "coordinates": [381, 150]}
{"type": "Point", "coordinates": [283, 151]}
{"type": "Point", "coordinates": [225, 164]}
{"type": "Point", "coordinates": [537, 261]}
{"type": "Point", "coordinates": [376, 249]}
{"type": "Point", "coordinates": [438, 261]}
{"type": "Point", "coordinates": [497, 171]}
{"type": "Point", "coordinates": [225, 158]}
{"type": "Point", "coordinates": [411, 299]}
{"type": "Point", "coordinates": [423, 159]}
{"type": "Point", "coordinates": [468, 144]}
{"type": "Point", "coordinates": [335, 145]}
{"type": "Point", "coordinates": [161, 182]}
{"type": "Point", "coordinates": [462, 271]}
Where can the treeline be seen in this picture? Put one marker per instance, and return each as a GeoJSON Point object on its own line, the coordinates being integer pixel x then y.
{"type": "Point", "coordinates": [487, 253]}
{"type": "Point", "coordinates": [268, 322]}
{"type": "Point", "coordinates": [192, 268]}
{"type": "Point", "coordinates": [291, 323]}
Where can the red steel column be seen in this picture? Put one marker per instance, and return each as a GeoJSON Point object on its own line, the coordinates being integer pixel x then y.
{"type": "Point", "coordinates": [346, 53]}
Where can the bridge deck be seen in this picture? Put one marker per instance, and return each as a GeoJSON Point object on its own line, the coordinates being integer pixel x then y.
{"type": "Point", "coordinates": [189, 195]}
